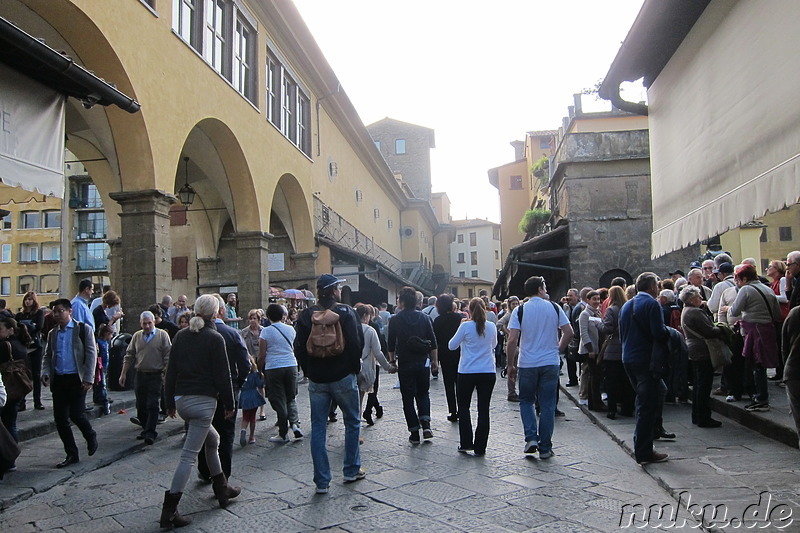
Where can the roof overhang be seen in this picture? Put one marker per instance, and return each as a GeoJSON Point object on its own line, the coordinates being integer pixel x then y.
{"type": "Point", "coordinates": [33, 58]}
{"type": "Point", "coordinates": [658, 31]}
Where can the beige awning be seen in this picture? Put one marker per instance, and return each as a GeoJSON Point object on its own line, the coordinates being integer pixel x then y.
{"type": "Point", "coordinates": [725, 123]}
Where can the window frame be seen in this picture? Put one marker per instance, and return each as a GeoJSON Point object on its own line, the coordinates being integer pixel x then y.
{"type": "Point", "coordinates": [23, 218]}
{"type": "Point", "coordinates": [5, 286]}
{"type": "Point", "coordinates": [461, 258]}
{"type": "Point", "coordinates": [28, 252]}
{"type": "Point", "coordinates": [46, 218]}
{"type": "Point", "coordinates": [54, 245]}
{"type": "Point", "coordinates": [397, 145]}
{"type": "Point", "coordinates": [34, 284]}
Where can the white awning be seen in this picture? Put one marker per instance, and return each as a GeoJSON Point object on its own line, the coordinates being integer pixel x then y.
{"type": "Point", "coordinates": [31, 134]}
{"type": "Point", "coordinates": [725, 123]}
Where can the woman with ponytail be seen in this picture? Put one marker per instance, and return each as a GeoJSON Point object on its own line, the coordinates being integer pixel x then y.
{"type": "Point", "coordinates": [197, 375]}
{"type": "Point", "coordinates": [476, 371]}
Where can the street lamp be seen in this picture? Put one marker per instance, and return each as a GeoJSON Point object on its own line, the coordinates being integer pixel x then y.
{"type": "Point", "coordinates": [186, 193]}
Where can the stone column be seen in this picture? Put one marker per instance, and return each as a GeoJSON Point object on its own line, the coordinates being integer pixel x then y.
{"type": "Point", "coordinates": [143, 258]}
{"type": "Point", "coordinates": [252, 259]}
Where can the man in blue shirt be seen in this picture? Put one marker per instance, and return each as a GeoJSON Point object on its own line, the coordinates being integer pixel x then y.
{"type": "Point", "coordinates": [641, 327]}
{"type": "Point", "coordinates": [69, 363]}
{"type": "Point", "coordinates": [80, 304]}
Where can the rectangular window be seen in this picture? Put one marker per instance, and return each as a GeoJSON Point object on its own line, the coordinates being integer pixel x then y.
{"type": "Point", "coordinates": [273, 91]}
{"type": "Point", "coordinates": [28, 252]}
{"type": "Point", "coordinates": [399, 146]}
{"type": "Point", "coordinates": [6, 253]}
{"type": "Point", "coordinates": [48, 284]}
{"type": "Point", "coordinates": [184, 21]}
{"type": "Point", "coordinates": [180, 267]}
{"type": "Point", "coordinates": [496, 233]}
{"type": "Point", "coordinates": [303, 123]}
{"type": "Point", "coordinates": [26, 284]}
{"type": "Point", "coordinates": [474, 274]}
{"type": "Point", "coordinates": [470, 293]}
{"type": "Point", "coordinates": [516, 183]}
{"type": "Point", "coordinates": [473, 258]}
{"type": "Point", "coordinates": [91, 225]}
{"type": "Point", "coordinates": [92, 256]}
{"type": "Point", "coordinates": [461, 257]}
{"type": "Point", "coordinates": [544, 143]}
{"type": "Point", "coordinates": [51, 251]}
{"type": "Point", "coordinates": [5, 222]}
{"type": "Point", "coordinates": [497, 254]}
{"type": "Point", "coordinates": [215, 45]}
{"type": "Point", "coordinates": [378, 145]}
{"type": "Point", "coordinates": [5, 286]}
{"type": "Point", "coordinates": [85, 196]}
{"type": "Point", "coordinates": [52, 219]}
{"type": "Point", "coordinates": [785, 233]}
{"type": "Point", "coordinates": [243, 52]}
{"type": "Point", "coordinates": [763, 237]}
{"type": "Point", "coordinates": [462, 274]}
{"type": "Point", "coordinates": [288, 106]}
{"type": "Point", "coordinates": [473, 239]}
{"type": "Point", "coordinates": [30, 220]}
{"type": "Point", "coordinates": [460, 238]}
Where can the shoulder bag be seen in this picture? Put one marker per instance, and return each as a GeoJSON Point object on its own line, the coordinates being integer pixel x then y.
{"type": "Point", "coordinates": [16, 376]}
{"type": "Point", "coordinates": [721, 355]}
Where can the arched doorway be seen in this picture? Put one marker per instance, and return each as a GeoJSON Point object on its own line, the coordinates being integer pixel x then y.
{"type": "Point", "coordinates": [608, 276]}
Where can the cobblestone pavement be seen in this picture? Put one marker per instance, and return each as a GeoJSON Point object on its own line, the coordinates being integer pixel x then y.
{"type": "Point", "coordinates": [428, 487]}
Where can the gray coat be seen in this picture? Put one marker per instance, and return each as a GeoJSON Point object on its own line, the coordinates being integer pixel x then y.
{"type": "Point", "coordinates": [85, 356]}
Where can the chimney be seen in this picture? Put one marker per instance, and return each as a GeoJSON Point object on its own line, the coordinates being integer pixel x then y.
{"type": "Point", "coordinates": [519, 150]}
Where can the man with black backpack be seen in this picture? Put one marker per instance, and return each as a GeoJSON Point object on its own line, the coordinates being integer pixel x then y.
{"type": "Point", "coordinates": [328, 349]}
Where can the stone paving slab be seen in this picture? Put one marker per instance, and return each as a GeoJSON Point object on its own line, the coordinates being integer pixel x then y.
{"type": "Point", "coordinates": [428, 487]}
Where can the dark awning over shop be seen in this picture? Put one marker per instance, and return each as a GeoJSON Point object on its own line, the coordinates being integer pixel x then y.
{"type": "Point", "coordinates": [30, 56]}
{"type": "Point", "coordinates": [546, 255]}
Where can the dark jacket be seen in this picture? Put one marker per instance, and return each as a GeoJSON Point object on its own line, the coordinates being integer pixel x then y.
{"type": "Point", "coordinates": [638, 334]}
{"type": "Point", "coordinates": [198, 365]}
{"type": "Point", "coordinates": [697, 327]}
{"type": "Point", "coordinates": [790, 344]}
{"type": "Point", "coordinates": [238, 357]}
{"type": "Point", "coordinates": [445, 327]}
{"type": "Point", "coordinates": [330, 369]}
{"type": "Point", "coordinates": [34, 322]}
{"type": "Point", "coordinates": [408, 323]}
{"type": "Point", "coordinates": [611, 330]}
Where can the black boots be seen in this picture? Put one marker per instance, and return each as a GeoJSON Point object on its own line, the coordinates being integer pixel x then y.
{"type": "Point", "coordinates": [223, 491]}
{"type": "Point", "coordinates": [170, 518]}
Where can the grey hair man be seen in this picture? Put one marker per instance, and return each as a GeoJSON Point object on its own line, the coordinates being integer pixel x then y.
{"type": "Point", "coordinates": [148, 353]}
{"type": "Point", "coordinates": [792, 274]}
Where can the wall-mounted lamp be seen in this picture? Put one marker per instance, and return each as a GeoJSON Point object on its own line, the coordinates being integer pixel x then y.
{"type": "Point", "coordinates": [186, 193]}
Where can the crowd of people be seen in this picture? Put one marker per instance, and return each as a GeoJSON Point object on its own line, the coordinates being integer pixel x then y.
{"type": "Point", "coordinates": [628, 349]}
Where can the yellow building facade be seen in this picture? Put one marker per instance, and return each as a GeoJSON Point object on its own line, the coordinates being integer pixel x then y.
{"type": "Point", "coordinates": [239, 107]}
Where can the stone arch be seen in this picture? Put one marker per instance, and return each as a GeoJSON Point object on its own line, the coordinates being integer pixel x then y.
{"type": "Point", "coordinates": [290, 208]}
{"type": "Point", "coordinates": [605, 279]}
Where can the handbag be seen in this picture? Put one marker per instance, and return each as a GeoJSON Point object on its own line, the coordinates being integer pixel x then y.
{"type": "Point", "coordinates": [16, 376]}
{"type": "Point", "coordinates": [418, 345]}
{"type": "Point", "coordinates": [9, 450]}
{"type": "Point", "coordinates": [720, 353]}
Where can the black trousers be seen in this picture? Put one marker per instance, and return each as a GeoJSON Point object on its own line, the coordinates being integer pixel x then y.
{"type": "Point", "coordinates": [148, 394]}
{"type": "Point", "coordinates": [484, 385]}
{"type": "Point", "coordinates": [703, 373]}
{"type": "Point", "coordinates": [450, 375]}
{"type": "Point", "coordinates": [69, 403]}
{"type": "Point", "coordinates": [227, 431]}
{"type": "Point", "coordinates": [372, 397]}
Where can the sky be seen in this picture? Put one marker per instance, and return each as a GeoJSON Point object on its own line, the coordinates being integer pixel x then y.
{"type": "Point", "coordinates": [481, 74]}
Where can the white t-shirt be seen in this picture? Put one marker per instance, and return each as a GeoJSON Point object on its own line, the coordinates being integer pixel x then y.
{"type": "Point", "coordinates": [280, 350]}
{"type": "Point", "coordinates": [477, 352]}
{"type": "Point", "coordinates": [538, 344]}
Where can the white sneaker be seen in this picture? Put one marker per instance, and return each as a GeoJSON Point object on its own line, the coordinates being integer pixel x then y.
{"type": "Point", "coordinates": [531, 446]}
{"type": "Point", "coordinates": [730, 398]}
{"type": "Point", "coordinates": [278, 438]}
{"type": "Point", "coordinates": [583, 402]}
{"type": "Point", "coordinates": [546, 455]}
{"type": "Point", "coordinates": [604, 396]}
{"type": "Point", "coordinates": [297, 433]}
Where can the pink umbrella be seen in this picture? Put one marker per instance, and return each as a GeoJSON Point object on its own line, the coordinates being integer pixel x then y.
{"type": "Point", "coordinates": [293, 294]}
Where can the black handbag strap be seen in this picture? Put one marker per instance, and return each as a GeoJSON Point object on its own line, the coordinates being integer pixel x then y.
{"type": "Point", "coordinates": [766, 302]}
{"type": "Point", "coordinates": [282, 335]}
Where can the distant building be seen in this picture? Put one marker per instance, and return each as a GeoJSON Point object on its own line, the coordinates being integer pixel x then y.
{"type": "Point", "coordinates": [406, 148]}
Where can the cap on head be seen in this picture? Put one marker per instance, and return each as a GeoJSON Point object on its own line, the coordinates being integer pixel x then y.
{"type": "Point", "coordinates": [724, 268]}
{"type": "Point", "coordinates": [328, 280]}
{"type": "Point", "coordinates": [679, 272]}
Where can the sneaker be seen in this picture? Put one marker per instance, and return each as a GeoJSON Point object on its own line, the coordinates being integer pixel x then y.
{"type": "Point", "coordinates": [465, 449]}
{"type": "Point", "coordinates": [261, 418]}
{"type": "Point", "coordinates": [427, 433]}
{"type": "Point", "coordinates": [136, 421]}
{"type": "Point", "coordinates": [730, 398]}
{"type": "Point", "coordinates": [453, 417]}
{"type": "Point", "coordinates": [243, 438]}
{"type": "Point", "coordinates": [278, 438]}
{"type": "Point", "coordinates": [162, 418]}
{"type": "Point", "coordinates": [531, 447]}
{"type": "Point", "coordinates": [414, 437]}
{"type": "Point", "coordinates": [583, 402]}
{"type": "Point", "coordinates": [757, 406]}
{"type": "Point", "coordinates": [604, 396]}
{"type": "Point", "coordinates": [322, 490]}
{"type": "Point", "coordinates": [12, 468]}
{"type": "Point", "coordinates": [360, 475]}
{"type": "Point", "coordinates": [297, 433]}
{"type": "Point", "coordinates": [546, 455]}
{"type": "Point", "coordinates": [435, 376]}
{"type": "Point", "coordinates": [657, 457]}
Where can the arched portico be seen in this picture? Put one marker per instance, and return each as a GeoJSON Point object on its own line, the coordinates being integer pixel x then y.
{"type": "Point", "coordinates": [292, 229]}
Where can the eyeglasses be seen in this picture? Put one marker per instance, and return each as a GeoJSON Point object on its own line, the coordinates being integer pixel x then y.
{"type": "Point", "coordinates": [792, 263]}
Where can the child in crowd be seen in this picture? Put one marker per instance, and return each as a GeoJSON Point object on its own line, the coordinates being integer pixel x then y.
{"type": "Point", "coordinates": [250, 399]}
{"type": "Point", "coordinates": [99, 390]}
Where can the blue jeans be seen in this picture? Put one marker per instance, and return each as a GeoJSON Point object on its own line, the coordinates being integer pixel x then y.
{"type": "Point", "coordinates": [415, 383]}
{"type": "Point", "coordinates": [345, 393]}
{"type": "Point", "coordinates": [538, 384]}
{"type": "Point", "coordinates": [650, 392]}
